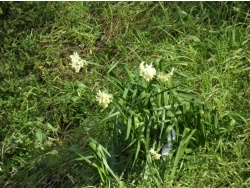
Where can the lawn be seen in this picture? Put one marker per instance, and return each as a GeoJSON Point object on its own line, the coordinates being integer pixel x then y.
{"type": "Point", "coordinates": [79, 108]}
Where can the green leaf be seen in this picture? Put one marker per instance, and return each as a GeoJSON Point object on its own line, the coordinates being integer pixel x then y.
{"type": "Point", "coordinates": [41, 136]}
{"type": "Point", "coordinates": [129, 73]}
{"type": "Point", "coordinates": [50, 127]}
{"type": "Point", "coordinates": [92, 63]}
{"type": "Point", "coordinates": [129, 125]}
{"type": "Point", "coordinates": [170, 114]}
{"type": "Point", "coordinates": [110, 116]}
{"type": "Point", "coordinates": [113, 66]}
{"type": "Point", "coordinates": [115, 81]}
{"type": "Point", "coordinates": [181, 149]}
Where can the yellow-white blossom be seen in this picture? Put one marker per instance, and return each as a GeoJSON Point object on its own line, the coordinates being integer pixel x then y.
{"type": "Point", "coordinates": [152, 151]}
{"type": "Point", "coordinates": [142, 68]}
{"type": "Point", "coordinates": [104, 99]}
{"type": "Point", "coordinates": [76, 66]}
{"type": "Point", "coordinates": [155, 155]}
{"type": "Point", "coordinates": [75, 57]}
{"type": "Point", "coordinates": [162, 77]}
{"type": "Point", "coordinates": [77, 62]}
{"type": "Point", "coordinates": [82, 62]}
{"type": "Point", "coordinates": [147, 71]}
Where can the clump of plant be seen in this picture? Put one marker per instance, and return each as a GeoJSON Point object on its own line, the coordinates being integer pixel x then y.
{"type": "Point", "coordinates": [146, 108]}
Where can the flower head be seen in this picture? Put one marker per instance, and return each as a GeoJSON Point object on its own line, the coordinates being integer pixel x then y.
{"type": "Point", "coordinates": [155, 155]}
{"type": "Point", "coordinates": [104, 99]}
{"type": "Point", "coordinates": [82, 62]}
{"type": "Point", "coordinates": [142, 68]}
{"type": "Point", "coordinates": [162, 77]}
{"type": "Point", "coordinates": [152, 151]}
{"type": "Point", "coordinates": [147, 72]}
{"type": "Point", "coordinates": [77, 62]}
{"type": "Point", "coordinates": [75, 57]}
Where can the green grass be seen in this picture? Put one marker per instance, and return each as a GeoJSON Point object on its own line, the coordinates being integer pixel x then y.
{"type": "Point", "coordinates": [49, 113]}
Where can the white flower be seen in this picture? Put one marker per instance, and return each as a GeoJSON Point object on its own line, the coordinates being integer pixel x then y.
{"type": "Point", "coordinates": [82, 62]}
{"type": "Point", "coordinates": [157, 156]}
{"type": "Point", "coordinates": [154, 154]}
{"type": "Point", "coordinates": [104, 99]}
{"type": "Point", "coordinates": [152, 151]}
{"type": "Point", "coordinates": [77, 62]}
{"type": "Point", "coordinates": [142, 68]}
{"type": "Point", "coordinates": [147, 72]}
{"type": "Point", "coordinates": [162, 77]}
{"type": "Point", "coordinates": [75, 57]}
{"type": "Point", "coordinates": [77, 68]}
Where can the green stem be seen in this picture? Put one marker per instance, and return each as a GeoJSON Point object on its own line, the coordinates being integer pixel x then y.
{"type": "Point", "coordinates": [147, 139]}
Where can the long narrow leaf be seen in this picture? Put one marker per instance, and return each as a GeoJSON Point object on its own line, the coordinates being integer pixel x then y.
{"type": "Point", "coordinates": [129, 126]}
{"type": "Point", "coordinates": [181, 149]}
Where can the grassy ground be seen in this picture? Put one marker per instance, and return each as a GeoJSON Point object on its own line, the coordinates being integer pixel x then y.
{"type": "Point", "coordinates": [48, 111]}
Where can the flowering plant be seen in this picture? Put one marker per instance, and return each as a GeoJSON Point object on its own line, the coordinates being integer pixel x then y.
{"type": "Point", "coordinates": [145, 108]}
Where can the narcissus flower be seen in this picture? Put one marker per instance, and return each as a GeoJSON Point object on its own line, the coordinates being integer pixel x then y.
{"type": "Point", "coordinates": [147, 72]}
{"type": "Point", "coordinates": [162, 77]}
{"type": "Point", "coordinates": [154, 154]}
{"type": "Point", "coordinates": [75, 57]}
{"type": "Point", "coordinates": [157, 156]}
{"type": "Point", "coordinates": [142, 68]}
{"type": "Point", "coordinates": [104, 99]}
{"type": "Point", "coordinates": [152, 151]}
{"type": "Point", "coordinates": [77, 62]}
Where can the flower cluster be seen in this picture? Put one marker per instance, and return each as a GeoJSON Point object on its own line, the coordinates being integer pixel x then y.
{"type": "Point", "coordinates": [162, 77]}
{"type": "Point", "coordinates": [154, 154]}
{"type": "Point", "coordinates": [77, 62]}
{"type": "Point", "coordinates": [104, 99]}
{"type": "Point", "coordinates": [147, 72]}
